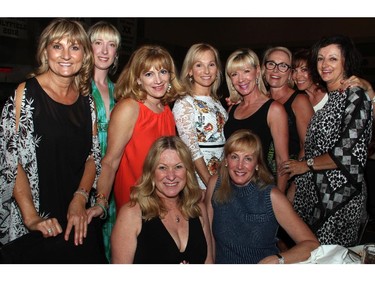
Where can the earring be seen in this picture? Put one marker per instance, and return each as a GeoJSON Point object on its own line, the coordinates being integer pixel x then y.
{"type": "Point", "coordinates": [191, 78]}
{"type": "Point", "coordinates": [169, 88]}
{"type": "Point", "coordinates": [226, 165]}
{"type": "Point", "coordinates": [256, 168]}
{"type": "Point", "coordinates": [257, 81]}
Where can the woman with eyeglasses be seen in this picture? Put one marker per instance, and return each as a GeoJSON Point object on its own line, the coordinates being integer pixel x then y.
{"type": "Point", "coordinates": [277, 72]}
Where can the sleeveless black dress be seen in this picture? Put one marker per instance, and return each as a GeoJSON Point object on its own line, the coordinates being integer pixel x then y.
{"type": "Point", "coordinates": [257, 123]}
{"type": "Point", "coordinates": [65, 133]}
{"type": "Point", "coordinates": [156, 246]}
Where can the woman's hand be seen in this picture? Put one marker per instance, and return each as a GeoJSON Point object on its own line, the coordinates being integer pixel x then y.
{"type": "Point", "coordinates": [293, 168]}
{"type": "Point", "coordinates": [358, 82]}
{"type": "Point", "coordinates": [49, 227]}
{"type": "Point", "coordinates": [77, 218]}
{"type": "Point", "coordinates": [95, 211]}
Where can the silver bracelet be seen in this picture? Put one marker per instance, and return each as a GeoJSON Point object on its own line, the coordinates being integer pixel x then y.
{"type": "Point", "coordinates": [83, 193]}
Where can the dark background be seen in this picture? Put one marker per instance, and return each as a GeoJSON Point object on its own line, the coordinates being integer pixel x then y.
{"type": "Point", "coordinates": [18, 38]}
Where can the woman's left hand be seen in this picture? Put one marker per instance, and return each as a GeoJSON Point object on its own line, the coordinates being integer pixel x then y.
{"type": "Point", "coordinates": [77, 218]}
{"type": "Point", "coordinates": [293, 168]}
{"type": "Point", "coordinates": [94, 211]}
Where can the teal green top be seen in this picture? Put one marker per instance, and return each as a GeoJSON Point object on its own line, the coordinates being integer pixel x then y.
{"type": "Point", "coordinates": [101, 113]}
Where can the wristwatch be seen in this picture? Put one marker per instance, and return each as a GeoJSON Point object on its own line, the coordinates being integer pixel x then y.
{"type": "Point", "coordinates": [310, 163]}
{"type": "Point", "coordinates": [281, 259]}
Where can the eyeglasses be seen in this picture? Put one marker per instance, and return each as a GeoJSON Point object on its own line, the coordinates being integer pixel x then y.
{"type": "Point", "coordinates": [282, 67]}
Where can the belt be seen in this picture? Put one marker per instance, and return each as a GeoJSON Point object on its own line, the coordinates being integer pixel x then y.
{"type": "Point", "coordinates": [211, 146]}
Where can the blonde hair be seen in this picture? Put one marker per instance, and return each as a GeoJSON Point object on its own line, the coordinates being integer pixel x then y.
{"type": "Point", "coordinates": [191, 58]}
{"type": "Point", "coordinates": [237, 60]}
{"type": "Point", "coordinates": [141, 61]}
{"type": "Point", "coordinates": [268, 52]}
{"type": "Point", "coordinates": [75, 33]}
{"type": "Point", "coordinates": [108, 32]}
{"type": "Point", "coordinates": [242, 140]}
{"type": "Point", "coordinates": [144, 193]}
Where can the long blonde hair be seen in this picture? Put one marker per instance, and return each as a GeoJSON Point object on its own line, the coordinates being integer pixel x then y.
{"type": "Point", "coordinates": [242, 140]}
{"type": "Point", "coordinates": [191, 58]}
{"type": "Point", "coordinates": [74, 31]}
{"type": "Point", "coordinates": [144, 193]}
{"type": "Point", "coordinates": [141, 61]}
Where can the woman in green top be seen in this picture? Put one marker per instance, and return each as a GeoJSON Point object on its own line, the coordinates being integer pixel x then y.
{"type": "Point", "coordinates": [105, 41]}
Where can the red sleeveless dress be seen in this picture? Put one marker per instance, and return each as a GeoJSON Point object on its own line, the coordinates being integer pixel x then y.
{"type": "Point", "coordinates": [148, 128]}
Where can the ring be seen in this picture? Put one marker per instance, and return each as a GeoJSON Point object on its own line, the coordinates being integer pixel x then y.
{"type": "Point", "coordinates": [49, 230]}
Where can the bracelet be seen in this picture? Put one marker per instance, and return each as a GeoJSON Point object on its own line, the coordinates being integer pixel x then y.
{"type": "Point", "coordinates": [104, 215]}
{"type": "Point", "coordinates": [101, 196]}
{"type": "Point", "coordinates": [83, 193]}
{"type": "Point", "coordinates": [280, 259]}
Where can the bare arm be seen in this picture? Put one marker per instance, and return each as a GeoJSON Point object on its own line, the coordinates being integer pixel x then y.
{"type": "Point", "coordinates": [210, 211]}
{"type": "Point", "coordinates": [124, 235]}
{"type": "Point", "coordinates": [77, 215]}
{"type": "Point", "coordinates": [303, 111]}
{"type": "Point", "coordinates": [288, 219]}
{"type": "Point", "coordinates": [278, 122]}
{"type": "Point", "coordinates": [120, 130]}
{"type": "Point", "coordinates": [202, 170]}
{"type": "Point", "coordinates": [31, 219]}
{"type": "Point", "coordinates": [207, 232]}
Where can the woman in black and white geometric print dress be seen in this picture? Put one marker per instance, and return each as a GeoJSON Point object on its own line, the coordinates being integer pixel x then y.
{"type": "Point", "coordinates": [331, 190]}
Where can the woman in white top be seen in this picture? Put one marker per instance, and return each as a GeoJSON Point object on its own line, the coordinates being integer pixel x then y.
{"type": "Point", "coordinates": [199, 115]}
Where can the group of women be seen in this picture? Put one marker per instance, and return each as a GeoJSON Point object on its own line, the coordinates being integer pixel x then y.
{"type": "Point", "coordinates": [177, 177]}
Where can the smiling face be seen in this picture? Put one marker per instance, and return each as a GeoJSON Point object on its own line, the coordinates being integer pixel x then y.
{"type": "Point", "coordinates": [301, 76]}
{"type": "Point", "coordinates": [274, 77]}
{"type": "Point", "coordinates": [64, 58]}
{"type": "Point", "coordinates": [241, 166]}
{"type": "Point", "coordinates": [170, 174]}
{"type": "Point", "coordinates": [330, 65]}
{"type": "Point", "coordinates": [205, 69]}
{"type": "Point", "coordinates": [155, 82]}
{"type": "Point", "coordinates": [244, 79]}
{"type": "Point", "coordinates": [104, 52]}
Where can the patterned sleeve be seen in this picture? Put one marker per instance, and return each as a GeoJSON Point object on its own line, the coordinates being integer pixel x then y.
{"type": "Point", "coordinates": [16, 147]}
{"type": "Point", "coordinates": [95, 149]}
{"type": "Point", "coordinates": [184, 115]}
{"type": "Point", "coordinates": [350, 151]}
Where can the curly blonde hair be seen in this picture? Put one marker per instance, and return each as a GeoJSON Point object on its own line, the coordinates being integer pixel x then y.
{"type": "Point", "coordinates": [144, 193]}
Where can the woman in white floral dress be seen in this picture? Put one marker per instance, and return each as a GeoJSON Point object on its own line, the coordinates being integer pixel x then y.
{"type": "Point", "coordinates": [199, 115]}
